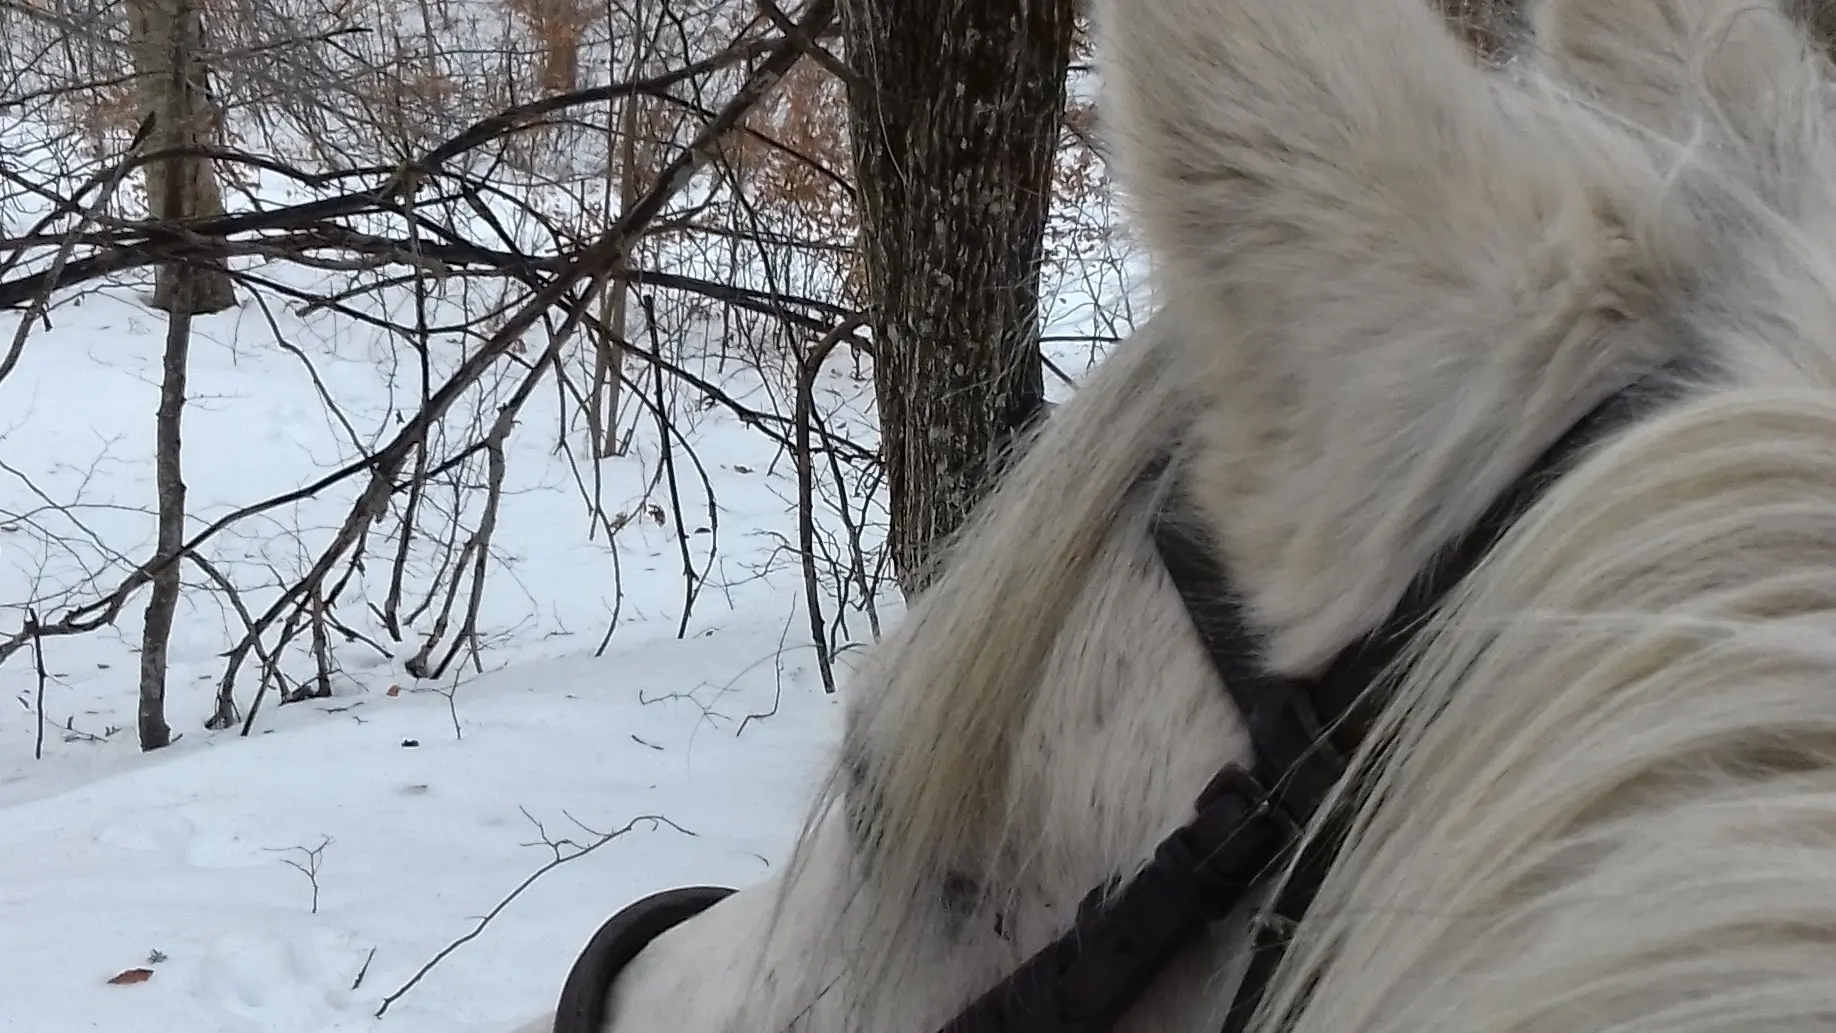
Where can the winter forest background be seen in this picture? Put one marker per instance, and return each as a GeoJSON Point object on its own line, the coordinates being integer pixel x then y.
{"type": "Point", "coordinates": [442, 488]}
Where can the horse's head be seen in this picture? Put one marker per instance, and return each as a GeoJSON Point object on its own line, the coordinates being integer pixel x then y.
{"type": "Point", "coordinates": [1600, 790]}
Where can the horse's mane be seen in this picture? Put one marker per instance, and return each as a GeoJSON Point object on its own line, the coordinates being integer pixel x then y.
{"type": "Point", "coordinates": [1390, 279]}
{"type": "Point", "coordinates": [1608, 780]}
{"type": "Point", "coordinates": [926, 754]}
{"type": "Point", "coordinates": [1603, 795]}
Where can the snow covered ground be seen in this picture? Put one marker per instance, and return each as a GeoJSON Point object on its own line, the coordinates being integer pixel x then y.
{"type": "Point", "coordinates": [185, 853]}
{"type": "Point", "coordinates": [292, 879]}
{"type": "Point", "coordinates": [289, 881]}
{"type": "Point", "coordinates": [416, 811]}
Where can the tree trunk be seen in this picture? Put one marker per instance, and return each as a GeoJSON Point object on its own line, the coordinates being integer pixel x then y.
{"type": "Point", "coordinates": [162, 601]}
{"type": "Point", "coordinates": [955, 110]}
{"type": "Point", "coordinates": [609, 367]}
{"type": "Point", "coordinates": [172, 82]}
{"type": "Point", "coordinates": [168, 37]}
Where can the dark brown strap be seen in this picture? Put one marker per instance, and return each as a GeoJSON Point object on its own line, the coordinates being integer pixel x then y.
{"type": "Point", "coordinates": [1091, 976]}
{"type": "Point", "coordinates": [582, 1008]}
{"type": "Point", "coordinates": [1248, 821]}
{"type": "Point", "coordinates": [1347, 696]}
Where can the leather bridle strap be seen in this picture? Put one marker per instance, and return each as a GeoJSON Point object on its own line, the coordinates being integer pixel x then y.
{"type": "Point", "coordinates": [1304, 730]}
{"type": "Point", "coordinates": [1248, 821]}
{"type": "Point", "coordinates": [1092, 975]}
{"type": "Point", "coordinates": [583, 1004]}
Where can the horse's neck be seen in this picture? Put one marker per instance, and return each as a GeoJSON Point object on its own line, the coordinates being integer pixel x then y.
{"type": "Point", "coordinates": [1128, 724]}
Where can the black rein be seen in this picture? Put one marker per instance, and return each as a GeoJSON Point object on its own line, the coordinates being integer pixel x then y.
{"type": "Point", "coordinates": [1248, 821]}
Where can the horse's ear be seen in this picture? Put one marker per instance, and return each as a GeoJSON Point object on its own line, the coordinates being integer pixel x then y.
{"type": "Point", "coordinates": [1743, 76]}
{"type": "Point", "coordinates": [1327, 171]}
{"type": "Point", "coordinates": [1393, 264]}
{"type": "Point", "coordinates": [1662, 58]}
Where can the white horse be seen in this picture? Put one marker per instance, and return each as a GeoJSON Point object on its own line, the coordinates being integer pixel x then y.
{"type": "Point", "coordinates": [1601, 793]}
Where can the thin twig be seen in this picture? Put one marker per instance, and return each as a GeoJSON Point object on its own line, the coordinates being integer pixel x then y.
{"type": "Point", "coordinates": [38, 664]}
{"type": "Point", "coordinates": [807, 370]}
{"type": "Point", "coordinates": [559, 860]}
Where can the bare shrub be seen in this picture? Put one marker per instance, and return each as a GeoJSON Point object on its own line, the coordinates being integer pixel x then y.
{"type": "Point", "coordinates": [428, 188]}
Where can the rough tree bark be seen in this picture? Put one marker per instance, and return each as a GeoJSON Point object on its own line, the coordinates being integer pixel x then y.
{"type": "Point", "coordinates": [609, 358]}
{"type": "Point", "coordinates": [172, 25]}
{"type": "Point", "coordinates": [171, 80]}
{"type": "Point", "coordinates": [954, 118]}
{"type": "Point", "coordinates": [162, 600]}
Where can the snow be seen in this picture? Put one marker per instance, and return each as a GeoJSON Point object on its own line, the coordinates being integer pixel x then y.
{"type": "Point", "coordinates": [183, 853]}
{"type": "Point", "coordinates": [426, 806]}
{"type": "Point", "coordinates": [413, 804]}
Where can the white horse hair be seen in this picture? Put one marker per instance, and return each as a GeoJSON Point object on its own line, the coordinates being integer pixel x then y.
{"type": "Point", "coordinates": [1603, 796]}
